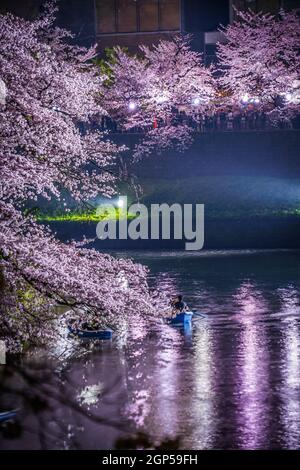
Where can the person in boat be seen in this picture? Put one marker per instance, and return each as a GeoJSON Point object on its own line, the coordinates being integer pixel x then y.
{"type": "Point", "coordinates": [179, 306]}
{"type": "Point", "coordinates": [92, 326]}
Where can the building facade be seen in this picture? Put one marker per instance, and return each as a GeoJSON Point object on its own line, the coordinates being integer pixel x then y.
{"type": "Point", "coordinates": [129, 23]}
{"type": "Point", "coordinates": [132, 22]}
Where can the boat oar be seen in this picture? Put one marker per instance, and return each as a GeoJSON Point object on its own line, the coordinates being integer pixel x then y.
{"type": "Point", "coordinates": [7, 415]}
{"type": "Point", "coordinates": [197, 314]}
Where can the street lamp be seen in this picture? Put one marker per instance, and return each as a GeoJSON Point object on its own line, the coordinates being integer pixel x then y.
{"type": "Point", "coordinates": [196, 101]}
{"type": "Point", "coordinates": [288, 97]}
{"type": "Point", "coordinates": [161, 99]}
{"type": "Point", "coordinates": [245, 99]}
{"type": "Point", "coordinates": [131, 105]}
{"type": "Point", "coordinates": [120, 203]}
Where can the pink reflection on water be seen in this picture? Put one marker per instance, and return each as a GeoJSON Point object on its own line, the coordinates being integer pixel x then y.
{"type": "Point", "coordinates": [252, 370]}
{"type": "Point", "coordinates": [152, 380]}
{"type": "Point", "coordinates": [137, 379]}
{"type": "Point", "coordinates": [153, 373]}
{"type": "Point", "coordinates": [203, 411]}
{"type": "Point", "coordinates": [166, 384]}
{"type": "Point", "coordinates": [250, 301]}
{"type": "Point", "coordinates": [290, 393]}
{"type": "Point", "coordinates": [290, 368]}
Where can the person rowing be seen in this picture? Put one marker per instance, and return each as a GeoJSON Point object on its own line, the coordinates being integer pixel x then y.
{"type": "Point", "coordinates": [179, 306]}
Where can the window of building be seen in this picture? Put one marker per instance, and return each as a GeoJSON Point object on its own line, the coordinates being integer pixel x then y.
{"type": "Point", "coordinates": [169, 15]}
{"type": "Point", "coordinates": [130, 16]}
{"type": "Point", "coordinates": [148, 15]}
{"type": "Point", "coordinates": [106, 16]}
{"type": "Point", "coordinates": [126, 16]}
{"type": "Point", "coordinates": [270, 6]}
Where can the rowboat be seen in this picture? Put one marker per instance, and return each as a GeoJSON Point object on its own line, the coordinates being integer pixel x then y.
{"type": "Point", "coordinates": [7, 415]}
{"type": "Point", "coordinates": [185, 318]}
{"type": "Point", "coordinates": [181, 319]}
{"type": "Point", "coordinates": [91, 334]}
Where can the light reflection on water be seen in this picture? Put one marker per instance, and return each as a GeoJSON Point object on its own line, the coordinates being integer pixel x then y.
{"type": "Point", "coordinates": [235, 383]}
{"type": "Point", "coordinates": [203, 411]}
{"type": "Point", "coordinates": [290, 394]}
{"type": "Point", "coordinates": [231, 382]}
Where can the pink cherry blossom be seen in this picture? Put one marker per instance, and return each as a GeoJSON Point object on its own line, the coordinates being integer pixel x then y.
{"type": "Point", "coordinates": [259, 61]}
{"type": "Point", "coordinates": [46, 145]}
{"type": "Point", "coordinates": [149, 90]}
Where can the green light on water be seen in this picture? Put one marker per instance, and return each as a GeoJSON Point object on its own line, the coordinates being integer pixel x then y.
{"type": "Point", "coordinates": [100, 214]}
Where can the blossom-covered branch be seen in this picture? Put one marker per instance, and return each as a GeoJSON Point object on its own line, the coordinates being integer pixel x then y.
{"type": "Point", "coordinates": [46, 145]}
{"type": "Point", "coordinates": [259, 61]}
{"type": "Point", "coordinates": [150, 90]}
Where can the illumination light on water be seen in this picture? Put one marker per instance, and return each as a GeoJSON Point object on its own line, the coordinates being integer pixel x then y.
{"type": "Point", "coordinates": [252, 370]}
{"type": "Point", "coordinates": [253, 384]}
{"type": "Point", "coordinates": [290, 358]}
{"type": "Point", "coordinates": [250, 301]}
{"type": "Point", "coordinates": [138, 380]}
{"type": "Point", "coordinates": [233, 383]}
{"type": "Point", "coordinates": [64, 347]}
{"type": "Point", "coordinates": [166, 381]}
{"type": "Point", "coordinates": [203, 404]}
{"type": "Point", "coordinates": [290, 409]}
{"type": "Point", "coordinates": [90, 394]}
{"type": "Point", "coordinates": [292, 352]}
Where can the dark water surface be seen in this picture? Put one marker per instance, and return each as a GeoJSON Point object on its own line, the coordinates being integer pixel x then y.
{"type": "Point", "coordinates": [233, 381]}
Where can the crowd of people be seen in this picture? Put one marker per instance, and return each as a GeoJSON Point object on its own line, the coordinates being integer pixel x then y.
{"type": "Point", "coordinates": [224, 120]}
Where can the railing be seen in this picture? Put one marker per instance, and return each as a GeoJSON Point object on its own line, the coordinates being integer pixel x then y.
{"type": "Point", "coordinates": [222, 122]}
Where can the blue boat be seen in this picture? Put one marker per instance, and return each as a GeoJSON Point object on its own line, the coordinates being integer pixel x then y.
{"type": "Point", "coordinates": [7, 415]}
{"type": "Point", "coordinates": [181, 319]}
{"type": "Point", "coordinates": [91, 334]}
{"type": "Point", "coordinates": [185, 318]}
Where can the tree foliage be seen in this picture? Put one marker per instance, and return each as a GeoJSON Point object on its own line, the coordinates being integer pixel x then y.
{"type": "Point", "coordinates": [259, 60]}
{"type": "Point", "coordinates": [52, 95]}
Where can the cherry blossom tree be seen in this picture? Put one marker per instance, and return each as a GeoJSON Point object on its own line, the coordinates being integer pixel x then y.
{"type": "Point", "coordinates": [3, 92]}
{"type": "Point", "coordinates": [46, 146]}
{"type": "Point", "coordinates": [162, 91]}
{"type": "Point", "coordinates": [259, 61]}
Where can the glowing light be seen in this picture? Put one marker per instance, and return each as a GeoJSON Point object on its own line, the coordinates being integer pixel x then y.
{"type": "Point", "coordinates": [288, 96]}
{"type": "Point", "coordinates": [245, 98]}
{"type": "Point", "coordinates": [256, 100]}
{"type": "Point", "coordinates": [120, 203]}
{"type": "Point", "coordinates": [292, 97]}
{"type": "Point", "coordinates": [132, 105]}
{"type": "Point", "coordinates": [90, 394]}
{"type": "Point", "coordinates": [161, 99]}
{"type": "Point", "coordinates": [196, 101]}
